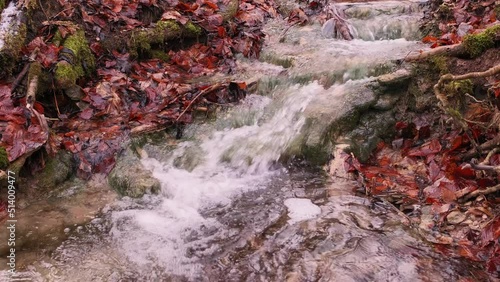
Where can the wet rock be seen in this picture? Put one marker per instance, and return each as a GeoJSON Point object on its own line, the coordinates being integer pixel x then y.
{"type": "Point", "coordinates": [332, 112]}
{"type": "Point", "coordinates": [373, 127]}
{"type": "Point", "coordinates": [386, 102]}
{"type": "Point", "coordinates": [130, 178]}
{"type": "Point", "coordinates": [57, 170]}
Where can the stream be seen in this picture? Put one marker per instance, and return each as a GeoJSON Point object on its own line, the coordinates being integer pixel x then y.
{"type": "Point", "coordinates": [233, 208]}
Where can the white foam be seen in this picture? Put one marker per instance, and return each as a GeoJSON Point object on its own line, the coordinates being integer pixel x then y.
{"type": "Point", "coordinates": [301, 209]}
{"type": "Point", "coordinates": [211, 172]}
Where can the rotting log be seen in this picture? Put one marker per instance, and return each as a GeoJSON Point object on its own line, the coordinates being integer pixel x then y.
{"type": "Point", "coordinates": [144, 40]}
{"type": "Point", "coordinates": [450, 51]}
{"type": "Point", "coordinates": [75, 60]}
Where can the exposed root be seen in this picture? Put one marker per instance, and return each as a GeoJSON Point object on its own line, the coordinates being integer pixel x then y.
{"type": "Point", "coordinates": [449, 77]}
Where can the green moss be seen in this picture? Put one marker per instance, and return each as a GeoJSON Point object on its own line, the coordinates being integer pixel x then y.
{"type": "Point", "coordinates": [168, 26]}
{"type": "Point", "coordinates": [85, 63]}
{"type": "Point", "coordinates": [476, 44]}
{"type": "Point", "coordinates": [275, 59]}
{"type": "Point", "coordinates": [57, 39]}
{"type": "Point", "coordinates": [193, 29]}
{"type": "Point", "coordinates": [160, 55]}
{"type": "Point", "coordinates": [66, 75]}
{"type": "Point", "coordinates": [439, 64]}
{"type": "Point", "coordinates": [460, 87]}
{"type": "Point", "coordinates": [4, 159]}
{"type": "Point", "coordinates": [10, 53]}
{"type": "Point", "coordinates": [142, 40]}
{"type": "Point", "coordinates": [445, 11]}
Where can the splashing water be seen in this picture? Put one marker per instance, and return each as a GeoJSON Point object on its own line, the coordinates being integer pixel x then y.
{"type": "Point", "coordinates": [229, 211]}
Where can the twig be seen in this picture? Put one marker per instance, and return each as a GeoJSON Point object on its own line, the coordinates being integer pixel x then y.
{"type": "Point", "coordinates": [488, 145]}
{"type": "Point", "coordinates": [486, 191]}
{"type": "Point", "coordinates": [485, 167]}
{"type": "Point", "coordinates": [449, 77]}
{"type": "Point", "coordinates": [282, 36]}
{"type": "Point", "coordinates": [57, 104]}
{"type": "Point", "coordinates": [202, 92]}
{"type": "Point", "coordinates": [22, 74]}
{"type": "Point", "coordinates": [488, 157]}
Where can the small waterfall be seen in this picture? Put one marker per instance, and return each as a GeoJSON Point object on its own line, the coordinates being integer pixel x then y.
{"type": "Point", "coordinates": [204, 174]}
{"type": "Point", "coordinates": [229, 211]}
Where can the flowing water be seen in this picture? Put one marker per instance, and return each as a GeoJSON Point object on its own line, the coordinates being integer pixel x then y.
{"type": "Point", "coordinates": [231, 210]}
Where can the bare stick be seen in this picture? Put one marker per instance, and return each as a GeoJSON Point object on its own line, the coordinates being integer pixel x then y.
{"type": "Point", "coordinates": [486, 191]}
{"type": "Point", "coordinates": [202, 92]}
{"type": "Point", "coordinates": [450, 50]}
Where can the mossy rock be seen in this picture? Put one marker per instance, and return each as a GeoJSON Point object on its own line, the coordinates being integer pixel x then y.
{"type": "Point", "coordinates": [130, 178]}
{"type": "Point", "coordinates": [57, 170]}
{"type": "Point", "coordinates": [476, 44]}
{"type": "Point", "coordinates": [10, 53]}
{"type": "Point", "coordinates": [4, 158]}
{"type": "Point", "coordinates": [373, 127]}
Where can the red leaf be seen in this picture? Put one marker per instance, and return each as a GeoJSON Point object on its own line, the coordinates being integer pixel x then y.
{"type": "Point", "coordinates": [491, 232]}
{"type": "Point", "coordinates": [87, 114]}
{"type": "Point", "coordinates": [429, 39]}
{"type": "Point", "coordinates": [465, 171]}
{"type": "Point", "coordinates": [432, 147]}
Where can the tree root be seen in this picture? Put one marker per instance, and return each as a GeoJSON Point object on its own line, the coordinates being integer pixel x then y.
{"type": "Point", "coordinates": [449, 77]}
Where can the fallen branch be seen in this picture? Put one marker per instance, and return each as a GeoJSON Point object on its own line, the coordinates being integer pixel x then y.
{"type": "Point", "coordinates": [488, 145]}
{"type": "Point", "coordinates": [23, 73]}
{"type": "Point", "coordinates": [202, 92]}
{"type": "Point", "coordinates": [450, 50]}
{"type": "Point", "coordinates": [476, 193]}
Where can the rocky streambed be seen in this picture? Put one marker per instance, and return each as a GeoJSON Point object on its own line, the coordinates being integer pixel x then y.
{"type": "Point", "coordinates": [242, 197]}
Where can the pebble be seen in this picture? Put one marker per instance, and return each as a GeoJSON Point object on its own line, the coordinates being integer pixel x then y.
{"type": "Point", "coordinates": [455, 217]}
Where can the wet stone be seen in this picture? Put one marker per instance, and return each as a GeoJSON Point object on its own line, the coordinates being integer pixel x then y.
{"type": "Point", "coordinates": [130, 178]}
